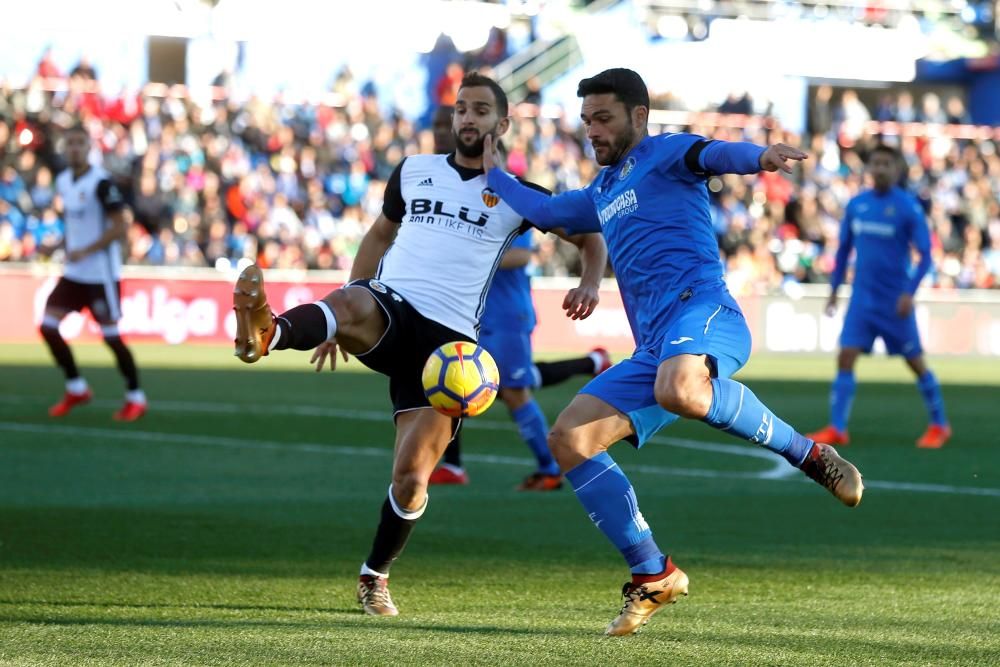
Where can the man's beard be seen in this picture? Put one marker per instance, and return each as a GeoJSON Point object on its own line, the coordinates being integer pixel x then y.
{"type": "Point", "coordinates": [475, 149]}
{"type": "Point", "coordinates": [618, 148]}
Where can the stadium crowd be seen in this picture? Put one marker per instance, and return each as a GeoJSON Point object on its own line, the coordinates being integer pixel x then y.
{"type": "Point", "coordinates": [296, 185]}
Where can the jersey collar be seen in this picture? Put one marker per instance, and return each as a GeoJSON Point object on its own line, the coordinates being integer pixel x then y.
{"type": "Point", "coordinates": [466, 173]}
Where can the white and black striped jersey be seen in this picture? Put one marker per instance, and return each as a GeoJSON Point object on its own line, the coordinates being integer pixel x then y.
{"type": "Point", "coordinates": [453, 231]}
{"type": "Point", "coordinates": [86, 202]}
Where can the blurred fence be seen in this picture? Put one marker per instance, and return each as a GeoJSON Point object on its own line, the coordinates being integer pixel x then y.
{"type": "Point", "coordinates": [194, 306]}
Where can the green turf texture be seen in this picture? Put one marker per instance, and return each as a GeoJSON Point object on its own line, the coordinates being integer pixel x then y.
{"type": "Point", "coordinates": [226, 528]}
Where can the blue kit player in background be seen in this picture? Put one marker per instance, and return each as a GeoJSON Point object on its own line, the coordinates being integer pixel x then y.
{"type": "Point", "coordinates": [651, 203]}
{"type": "Point", "coordinates": [882, 224]}
{"type": "Point", "coordinates": [505, 330]}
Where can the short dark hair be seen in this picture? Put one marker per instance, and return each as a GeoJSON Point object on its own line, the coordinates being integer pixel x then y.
{"type": "Point", "coordinates": [77, 127]}
{"type": "Point", "coordinates": [626, 85]}
{"type": "Point", "coordinates": [891, 151]}
{"type": "Point", "coordinates": [477, 80]}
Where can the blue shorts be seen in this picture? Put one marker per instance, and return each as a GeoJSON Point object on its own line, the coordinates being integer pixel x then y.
{"type": "Point", "coordinates": [706, 328]}
{"type": "Point", "coordinates": [863, 325]}
{"type": "Point", "coordinates": [512, 352]}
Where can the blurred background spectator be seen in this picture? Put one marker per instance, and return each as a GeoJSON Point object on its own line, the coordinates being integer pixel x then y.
{"type": "Point", "coordinates": [295, 186]}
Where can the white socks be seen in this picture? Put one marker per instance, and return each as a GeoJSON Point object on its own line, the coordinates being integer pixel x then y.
{"type": "Point", "coordinates": [331, 319]}
{"type": "Point", "coordinates": [136, 396]}
{"type": "Point", "coordinates": [76, 386]}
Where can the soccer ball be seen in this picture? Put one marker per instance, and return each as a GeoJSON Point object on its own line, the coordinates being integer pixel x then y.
{"type": "Point", "coordinates": [461, 379]}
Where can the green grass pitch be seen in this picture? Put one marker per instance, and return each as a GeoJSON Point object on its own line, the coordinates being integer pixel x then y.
{"type": "Point", "coordinates": [227, 527]}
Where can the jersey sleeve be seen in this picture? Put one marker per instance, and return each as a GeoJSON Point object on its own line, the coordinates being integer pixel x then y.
{"type": "Point", "coordinates": [706, 157]}
{"type": "Point", "coordinates": [843, 250]}
{"type": "Point", "coordinates": [920, 237]}
{"type": "Point", "coordinates": [110, 196]}
{"type": "Point", "coordinates": [393, 204]}
{"type": "Point", "coordinates": [573, 211]}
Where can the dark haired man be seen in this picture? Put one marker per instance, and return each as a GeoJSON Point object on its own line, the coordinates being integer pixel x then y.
{"type": "Point", "coordinates": [882, 224]}
{"type": "Point", "coordinates": [96, 223]}
{"type": "Point", "coordinates": [651, 204]}
{"type": "Point", "coordinates": [399, 306]}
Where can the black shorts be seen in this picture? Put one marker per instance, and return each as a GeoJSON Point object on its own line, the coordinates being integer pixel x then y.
{"type": "Point", "coordinates": [402, 351]}
{"type": "Point", "coordinates": [101, 299]}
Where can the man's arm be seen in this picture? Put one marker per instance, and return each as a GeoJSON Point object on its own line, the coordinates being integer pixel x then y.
{"type": "Point", "coordinates": [920, 237]}
{"type": "Point", "coordinates": [581, 301]}
{"type": "Point", "coordinates": [707, 157]}
{"type": "Point", "coordinates": [840, 261]}
{"type": "Point", "coordinates": [515, 258]}
{"type": "Point", "coordinates": [572, 211]}
{"type": "Point", "coordinates": [373, 246]}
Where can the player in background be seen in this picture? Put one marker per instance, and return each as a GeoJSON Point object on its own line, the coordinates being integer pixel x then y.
{"type": "Point", "coordinates": [403, 302]}
{"type": "Point", "coordinates": [882, 224]}
{"type": "Point", "coordinates": [505, 331]}
{"type": "Point", "coordinates": [651, 203]}
{"type": "Point", "coordinates": [96, 222]}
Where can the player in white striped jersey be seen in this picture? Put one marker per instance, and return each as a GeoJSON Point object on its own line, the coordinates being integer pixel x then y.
{"type": "Point", "coordinates": [419, 280]}
{"type": "Point", "coordinates": [96, 222]}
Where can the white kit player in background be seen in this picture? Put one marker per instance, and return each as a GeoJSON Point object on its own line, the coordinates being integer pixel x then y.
{"type": "Point", "coordinates": [96, 220]}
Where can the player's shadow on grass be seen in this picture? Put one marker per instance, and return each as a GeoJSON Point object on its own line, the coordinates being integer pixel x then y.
{"type": "Point", "coordinates": [357, 621]}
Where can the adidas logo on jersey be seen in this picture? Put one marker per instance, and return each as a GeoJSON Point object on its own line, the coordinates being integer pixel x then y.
{"type": "Point", "coordinates": [427, 182]}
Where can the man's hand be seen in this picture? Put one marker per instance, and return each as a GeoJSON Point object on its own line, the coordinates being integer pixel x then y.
{"type": "Point", "coordinates": [324, 350]}
{"type": "Point", "coordinates": [831, 306]}
{"type": "Point", "coordinates": [905, 305]}
{"type": "Point", "coordinates": [76, 255]}
{"type": "Point", "coordinates": [491, 154]}
{"type": "Point", "coordinates": [580, 302]}
{"type": "Point", "coordinates": [777, 156]}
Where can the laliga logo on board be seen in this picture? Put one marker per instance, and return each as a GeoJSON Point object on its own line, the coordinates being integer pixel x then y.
{"type": "Point", "coordinates": [626, 168]}
{"type": "Point", "coordinates": [490, 198]}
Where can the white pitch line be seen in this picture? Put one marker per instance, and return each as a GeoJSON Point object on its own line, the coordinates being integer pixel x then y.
{"type": "Point", "coordinates": [778, 470]}
{"type": "Point", "coordinates": [316, 448]}
{"type": "Point", "coordinates": [312, 448]}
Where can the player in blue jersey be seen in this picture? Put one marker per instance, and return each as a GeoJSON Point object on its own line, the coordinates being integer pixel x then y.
{"type": "Point", "coordinates": [651, 203]}
{"type": "Point", "coordinates": [505, 330]}
{"type": "Point", "coordinates": [882, 224]}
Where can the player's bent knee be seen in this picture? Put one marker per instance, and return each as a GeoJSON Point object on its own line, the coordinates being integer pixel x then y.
{"type": "Point", "coordinates": [409, 488]}
{"type": "Point", "coordinates": [567, 445]}
{"type": "Point", "coordinates": [686, 396]}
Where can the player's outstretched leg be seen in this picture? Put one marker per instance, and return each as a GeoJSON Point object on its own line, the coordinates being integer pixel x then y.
{"type": "Point", "coordinates": [549, 373]}
{"type": "Point", "coordinates": [349, 313]}
{"type": "Point", "coordinates": [579, 440]}
{"type": "Point", "coordinates": [77, 392]}
{"type": "Point", "coordinates": [685, 387]}
{"type": "Point", "coordinates": [421, 436]}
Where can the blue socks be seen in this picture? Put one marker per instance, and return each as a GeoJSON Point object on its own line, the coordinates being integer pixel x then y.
{"type": "Point", "coordinates": [609, 499]}
{"type": "Point", "coordinates": [930, 390]}
{"type": "Point", "coordinates": [841, 399]}
{"type": "Point", "coordinates": [735, 409]}
{"type": "Point", "coordinates": [534, 429]}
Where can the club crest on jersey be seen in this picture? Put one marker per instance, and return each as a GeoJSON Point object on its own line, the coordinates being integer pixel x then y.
{"type": "Point", "coordinates": [377, 286]}
{"type": "Point", "coordinates": [490, 198]}
{"type": "Point", "coordinates": [626, 168]}
{"type": "Point", "coordinates": [890, 210]}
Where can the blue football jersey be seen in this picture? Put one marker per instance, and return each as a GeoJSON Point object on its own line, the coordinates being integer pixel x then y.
{"type": "Point", "coordinates": [882, 227]}
{"type": "Point", "coordinates": [654, 212]}
{"type": "Point", "coordinates": [508, 302]}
